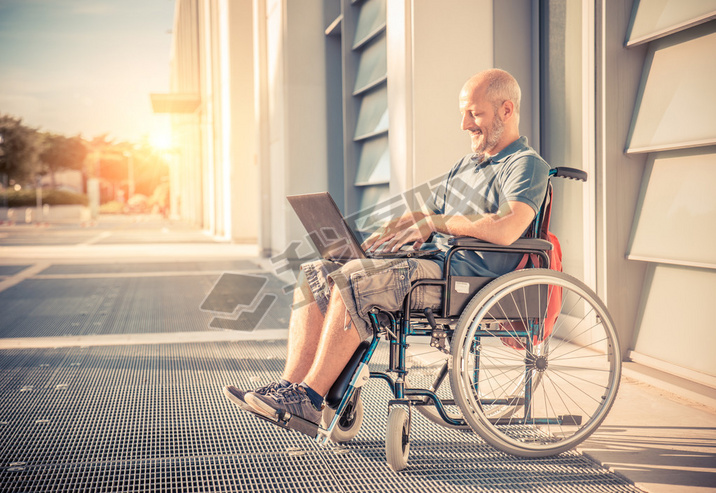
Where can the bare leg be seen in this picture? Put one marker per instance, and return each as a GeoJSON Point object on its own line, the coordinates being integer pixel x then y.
{"type": "Point", "coordinates": [304, 332]}
{"type": "Point", "coordinates": [337, 345]}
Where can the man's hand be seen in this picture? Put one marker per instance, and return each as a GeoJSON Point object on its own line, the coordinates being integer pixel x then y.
{"type": "Point", "coordinates": [417, 234]}
{"type": "Point", "coordinates": [391, 229]}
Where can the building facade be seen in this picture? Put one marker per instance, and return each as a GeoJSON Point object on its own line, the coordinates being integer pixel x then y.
{"type": "Point", "coordinates": [359, 97]}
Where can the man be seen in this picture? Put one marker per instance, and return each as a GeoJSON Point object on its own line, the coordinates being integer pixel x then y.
{"type": "Point", "coordinates": [492, 194]}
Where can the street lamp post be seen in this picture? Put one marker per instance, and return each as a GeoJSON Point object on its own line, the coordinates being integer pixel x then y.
{"type": "Point", "coordinates": [130, 174]}
{"type": "Point", "coordinates": [4, 175]}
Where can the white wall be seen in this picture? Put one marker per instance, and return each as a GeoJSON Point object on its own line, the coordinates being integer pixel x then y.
{"type": "Point", "coordinates": [307, 166]}
{"type": "Point", "coordinates": [276, 43]}
{"type": "Point", "coordinates": [433, 48]}
{"type": "Point", "coordinates": [294, 83]}
{"type": "Point", "coordinates": [244, 197]}
{"type": "Point", "coordinates": [518, 53]}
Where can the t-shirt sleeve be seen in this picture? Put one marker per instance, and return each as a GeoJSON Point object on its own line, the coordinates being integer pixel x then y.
{"type": "Point", "coordinates": [525, 180]}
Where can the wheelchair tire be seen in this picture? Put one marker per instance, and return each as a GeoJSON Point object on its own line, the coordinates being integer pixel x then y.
{"type": "Point", "coordinates": [559, 388]}
{"type": "Point", "coordinates": [397, 443]}
{"type": "Point", "coordinates": [348, 425]}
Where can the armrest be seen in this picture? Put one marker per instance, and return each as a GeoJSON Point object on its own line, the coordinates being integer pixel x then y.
{"type": "Point", "coordinates": [521, 245]}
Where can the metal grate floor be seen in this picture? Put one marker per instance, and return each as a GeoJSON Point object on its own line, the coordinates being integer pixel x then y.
{"type": "Point", "coordinates": [153, 418]}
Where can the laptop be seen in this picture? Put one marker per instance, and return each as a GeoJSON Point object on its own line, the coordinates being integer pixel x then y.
{"type": "Point", "coordinates": [330, 233]}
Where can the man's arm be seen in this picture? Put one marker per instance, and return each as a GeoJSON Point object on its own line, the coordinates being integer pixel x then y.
{"type": "Point", "coordinates": [502, 228]}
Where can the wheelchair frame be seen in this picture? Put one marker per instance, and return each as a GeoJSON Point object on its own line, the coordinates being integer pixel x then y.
{"type": "Point", "coordinates": [398, 326]}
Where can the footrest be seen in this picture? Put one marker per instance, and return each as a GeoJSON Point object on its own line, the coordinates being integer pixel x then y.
{"type": "Point", "coordinates": [290, 422]}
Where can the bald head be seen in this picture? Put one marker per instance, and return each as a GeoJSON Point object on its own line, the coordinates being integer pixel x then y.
{"type": "Point", "coordinates": [490, 108]}
{"type": "Point", "coordinates": [496, 86]}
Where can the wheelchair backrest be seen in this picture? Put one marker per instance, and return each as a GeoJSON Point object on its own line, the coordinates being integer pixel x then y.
{"type": "Point", "coordinates": [462, 289]}
{"type": "Point", "coordinates": [540, 225]}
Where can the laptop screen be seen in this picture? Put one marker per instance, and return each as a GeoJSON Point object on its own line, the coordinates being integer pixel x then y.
{"type": "Point", "coordinates": [326, 227]}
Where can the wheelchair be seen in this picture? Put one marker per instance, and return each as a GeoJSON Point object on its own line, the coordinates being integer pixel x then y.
{"type": "Point", "coordinates": [531, 359]}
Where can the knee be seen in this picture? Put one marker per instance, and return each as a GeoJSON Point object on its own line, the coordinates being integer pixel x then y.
{"type": "Point", "coordinates": [302, 294]}
{"type": "Point", "coordinates": [353, 265]}
{"type": "Point", "coordinates": [336, 305]}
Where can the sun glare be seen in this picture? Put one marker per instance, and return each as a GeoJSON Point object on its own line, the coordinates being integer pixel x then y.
{"type": "Point", "coordinates": [161, 139]}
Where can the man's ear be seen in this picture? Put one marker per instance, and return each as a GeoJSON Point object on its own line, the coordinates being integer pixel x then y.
{"type": "Point", "coordinates": [508, 109]}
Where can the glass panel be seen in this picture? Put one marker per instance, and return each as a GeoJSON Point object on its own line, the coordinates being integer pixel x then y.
{"type": "Point", "coordinates": [373, 113]}
{"type": "Point", "coordinates": [561, 120]}
{"type": "Point", "coordinates": [374, 162]}
{"type": "Point", "coordinates": [370, 19]}
{"type": "Point", "coordinates": [373, 64]}
{"type": "Point", "coordinates": [676, 217]}
{"type": "Point", "coordinates": [676, 325]}
{"type": "Point", "coordinates": [656, 18]}
{"type": "Point", "coordinates": [676, 76]}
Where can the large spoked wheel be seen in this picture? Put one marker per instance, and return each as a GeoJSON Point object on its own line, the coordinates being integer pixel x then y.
{"type": "Point", "coordinates": [529, 387]}
{"type": "Point", "coordinates": [397, 442]}
{"type": "Point", "coordinates": [348, 424]}
{"type": "Point", "coordinates": [444, 391]}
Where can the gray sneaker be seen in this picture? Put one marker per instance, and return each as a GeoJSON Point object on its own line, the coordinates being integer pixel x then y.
{"type": "Point", "coordinates": [292, 399]}
{"type": "Point", "coordinates": [238, 396]}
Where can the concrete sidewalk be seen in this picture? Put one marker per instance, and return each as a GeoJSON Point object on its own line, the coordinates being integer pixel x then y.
{"type": "Point", "coordinates": [110, 369]}
{"type": "Point", "coordinates": [656, 439]}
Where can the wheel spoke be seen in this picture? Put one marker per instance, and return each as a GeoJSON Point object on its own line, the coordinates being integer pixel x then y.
{"type": "Point", "coordinates": [493, 378]}
{"type": "Point", "coordinates": [559, 394]}
{"type": "Point", "coordinates": [572, 375]}
{"type": "Point", "coordinates": [575, 387]}
{"type": "Point", "coordinates": [572, 381]}
{"type": "Point", "coordinates": [565, 316]}
{"type": "Point", "coordinates": [579, 348]}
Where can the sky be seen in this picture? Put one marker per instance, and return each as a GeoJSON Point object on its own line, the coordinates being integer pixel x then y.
{"type": "Point", "coordinates": [86, 66]}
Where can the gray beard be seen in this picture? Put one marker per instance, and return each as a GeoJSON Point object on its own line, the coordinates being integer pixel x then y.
{"type": "Point", "coordinates": [496, 131]}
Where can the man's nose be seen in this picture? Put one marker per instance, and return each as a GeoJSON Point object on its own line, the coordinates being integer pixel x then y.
{"type": "Point", "coordinates": [466, 121]}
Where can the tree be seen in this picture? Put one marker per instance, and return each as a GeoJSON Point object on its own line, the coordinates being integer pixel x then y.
{"type": "Point", "coordinates": [61, 153]}
{"type": "Point", "coordinates": [20, 147]}
{"type": "Point", "coordinates": [150, 169]}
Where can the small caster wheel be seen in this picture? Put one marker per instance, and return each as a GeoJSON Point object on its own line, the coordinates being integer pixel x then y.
{"type": "Point", "coordinates": [349, 423]}
{"type": "Point", "coordinates": [397, 443]}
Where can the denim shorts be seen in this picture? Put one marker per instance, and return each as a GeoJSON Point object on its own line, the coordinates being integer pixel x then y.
{"type": "Point", "coordinates": [365, 284]}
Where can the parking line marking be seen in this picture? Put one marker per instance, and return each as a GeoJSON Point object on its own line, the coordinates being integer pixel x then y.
{"type": "Point", "coordinates": [143, 338]}
{"type": "Point", "coordinates": [95, 239]}
{"type": "Point", "coordinates": [22, 275]}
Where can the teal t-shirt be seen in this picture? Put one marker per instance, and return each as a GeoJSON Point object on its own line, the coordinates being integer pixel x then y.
{"type": "Point", "coordinates": [517, 173]}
